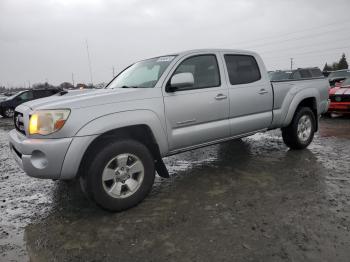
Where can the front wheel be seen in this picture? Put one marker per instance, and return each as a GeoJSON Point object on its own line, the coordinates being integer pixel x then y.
{"type": "Point", "coordinates": [8, 112]}
{"type": "Point", "coordinates": [299, 134]}
{"type": "Point", "coordinates": [120, 176]}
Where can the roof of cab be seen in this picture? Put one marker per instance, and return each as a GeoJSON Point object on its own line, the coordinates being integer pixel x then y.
{"type": "Point", "coordinates": [238, 51]}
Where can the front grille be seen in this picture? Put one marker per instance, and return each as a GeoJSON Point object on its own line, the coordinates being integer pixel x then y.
{"type": "Point", "coordinates": [19, 123]}
{"type": "Point", "coordinates": [340, 98]}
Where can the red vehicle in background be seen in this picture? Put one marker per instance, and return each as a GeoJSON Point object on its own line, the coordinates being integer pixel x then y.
{"type": "Point", "coordinates": [340, 97]}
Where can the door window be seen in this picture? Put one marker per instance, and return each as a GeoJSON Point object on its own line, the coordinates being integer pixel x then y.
{"type": "Point", "coordinates": [204, 68]}
{"type": "Point", "coordinates": [43, 93]}
{"type": "Point", "coordinates": [305, 73]}
{"type": "Point", "coordinates": [316, 72]}
{"type": "Point", "coordinates": [26, 96]}
{"type": "Point", "coordinates": [242, 69]}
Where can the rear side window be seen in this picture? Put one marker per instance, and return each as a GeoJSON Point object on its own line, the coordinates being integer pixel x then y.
{"type": "Point", "coordinates": [43, 93]}
{"type": "Point", "coordinates": [316, 72]}
{"type": "Point", "coordinates": [305, 73]}
{"type": "Point", "coordinates": [204, 68]}
{"type": "Point", "coordinates": [242, 69]}
{"type": "Point", "coordinates": [296, 75]}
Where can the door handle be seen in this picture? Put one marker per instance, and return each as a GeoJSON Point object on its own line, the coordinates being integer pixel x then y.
{"type": "Point", "coordinates": [186, 122]}
{"type": "Point", "coordinates": [263, 91]}
{"type": "Point", "coordinates": [220, 97]}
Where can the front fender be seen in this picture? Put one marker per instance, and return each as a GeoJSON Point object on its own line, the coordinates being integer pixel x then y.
{"type": "Point", "coordinates": [113, 121]}
{"type": "Point", "coordinates": [300, 96]}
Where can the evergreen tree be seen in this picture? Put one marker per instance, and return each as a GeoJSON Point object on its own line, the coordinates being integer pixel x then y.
{"type": "Point", "coordinates": [327, 68]}
{"type": "Point", "coordinates": [334, 66]}
{"type": "Point", "coordinates": [343, 64]}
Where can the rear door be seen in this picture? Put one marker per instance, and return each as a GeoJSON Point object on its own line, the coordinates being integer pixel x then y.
{"type": "Point", "coordinates": [250, 93]}
{"type": "Point", "coordinates": [198, 114]}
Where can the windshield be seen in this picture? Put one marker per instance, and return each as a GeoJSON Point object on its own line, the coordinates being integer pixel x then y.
{"type": "Point", "coordinates": [339, 74]}
{"type": "Point", "coordinates": [143, 74]}
{"type": "Point", "coordinates": [280, 75]}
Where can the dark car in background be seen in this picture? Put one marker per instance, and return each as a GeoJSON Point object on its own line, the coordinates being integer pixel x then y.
{"type": "Point", "coordinates": [338, 76]}
{"type": "Point", "coordinates": [297, 74]}
{"type": "Point", "coordinates": [8, 105]}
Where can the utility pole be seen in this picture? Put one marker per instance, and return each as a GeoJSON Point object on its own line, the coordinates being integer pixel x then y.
{"type": "Point", "coordinates": [291, 63]}
{"type": "Point", "coordinates": [89, 61]}
{"type": "Point", "coordinates": [73, 79]}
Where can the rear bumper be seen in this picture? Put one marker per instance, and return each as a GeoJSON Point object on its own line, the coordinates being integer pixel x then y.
{"type": "Point", "coordinates": [339, 107]}
{"type": "Point", "coordinates": [49, 158]}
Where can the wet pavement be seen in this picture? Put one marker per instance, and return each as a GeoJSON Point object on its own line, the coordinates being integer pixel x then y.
{"type": "Point", "coordinates": [246, 200]}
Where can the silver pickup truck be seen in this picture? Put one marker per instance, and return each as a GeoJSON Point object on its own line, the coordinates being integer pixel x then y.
{"type": "Point", "coordinates": [114, 139]}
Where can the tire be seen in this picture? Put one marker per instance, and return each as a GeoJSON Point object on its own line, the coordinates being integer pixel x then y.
{"type": "Point", "coordinates": [120, 174]}
{"type": "Point", "coordinates": [8, 112]}
{"type": "Point", "coordinates": [300, 133]}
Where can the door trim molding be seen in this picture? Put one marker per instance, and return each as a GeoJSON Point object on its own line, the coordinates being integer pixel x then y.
{"type": "Point", "coordinates": [173, 152]}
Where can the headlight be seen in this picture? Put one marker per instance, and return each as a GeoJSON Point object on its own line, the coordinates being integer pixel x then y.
{"type": "Point", "coordinates": [45, 122]}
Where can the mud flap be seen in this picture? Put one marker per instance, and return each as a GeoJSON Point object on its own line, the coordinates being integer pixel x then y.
{"type": "Point", "coordinates": [161, 168]}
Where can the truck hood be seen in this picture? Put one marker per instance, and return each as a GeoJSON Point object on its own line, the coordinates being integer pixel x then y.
{"type": "Point", "coordinates": [88, 98]}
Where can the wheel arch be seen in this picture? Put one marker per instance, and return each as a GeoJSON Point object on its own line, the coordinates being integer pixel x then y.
{"type": "Point", "coordinates": [141, 133]}
{"type": "Point", "coordinates": [304, 99]}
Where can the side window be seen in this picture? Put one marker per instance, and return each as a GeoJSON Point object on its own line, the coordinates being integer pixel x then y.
{"type": "Point", "coordinates": [204, 68]}
{"type": "Point", "coordinates": [305, 73]}
{"type": "Point", "coordinates": [242, 69]}
{"type": "Point", "coordinates": [43, 93]}
{"type": "Point", "coordinates": [26, 96]}
{"type": "Point", "coordinates": [296, 75]}
{"type": "Point", "coordinates": [316, 72]}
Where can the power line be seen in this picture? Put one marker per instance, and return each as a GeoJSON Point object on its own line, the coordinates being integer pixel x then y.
{"type": "Point", "coordinates": [296, 47]}
{"type": "Point", "coordinates": [308, 57]}
{"type": "Point", "coordinates": [295, 32]}
{"type": "Point", "coordinates": [321, 50]}
{"type": "Point", "coordinates": [297, 38]}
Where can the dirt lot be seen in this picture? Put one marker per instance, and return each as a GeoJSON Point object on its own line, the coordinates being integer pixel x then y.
{"type": "Point", "coordinates": [247, 200]}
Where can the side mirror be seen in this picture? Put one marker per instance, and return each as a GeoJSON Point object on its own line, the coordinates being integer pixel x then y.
{"type": "Point", "coordinates": [179, 81]}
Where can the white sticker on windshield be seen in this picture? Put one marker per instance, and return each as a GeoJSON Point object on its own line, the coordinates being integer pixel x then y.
{"type": "Point", "coordinates": [165, 58]}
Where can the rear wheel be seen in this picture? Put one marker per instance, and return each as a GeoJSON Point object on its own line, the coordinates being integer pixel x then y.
{"type": "Point", "coordinates": [300, 132]}
{"type": "Point", "coordinates": [120, 176]}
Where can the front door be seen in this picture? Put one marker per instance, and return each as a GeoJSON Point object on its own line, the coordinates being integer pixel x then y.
{"type": "Point", "coordinates": [198, 114]}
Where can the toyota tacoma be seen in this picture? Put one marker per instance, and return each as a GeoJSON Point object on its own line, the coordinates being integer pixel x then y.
{"type": "Point", "coordinates": [113, 140]}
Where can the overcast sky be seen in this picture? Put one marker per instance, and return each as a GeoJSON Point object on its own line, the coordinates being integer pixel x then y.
{"type": "Point", "coordinates": [44, 40]}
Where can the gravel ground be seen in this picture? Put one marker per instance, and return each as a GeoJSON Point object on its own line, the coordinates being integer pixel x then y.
{"type": "Point", "coordinates": [246, 200]}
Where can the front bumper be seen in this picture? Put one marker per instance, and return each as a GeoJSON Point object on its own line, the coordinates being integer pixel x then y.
{"type": "Point", "coordinates": [49, 158]}
{"type": "Point", "coordinates": [339, 107]}
{"type": "Point", "coordinates": [42, 158]}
